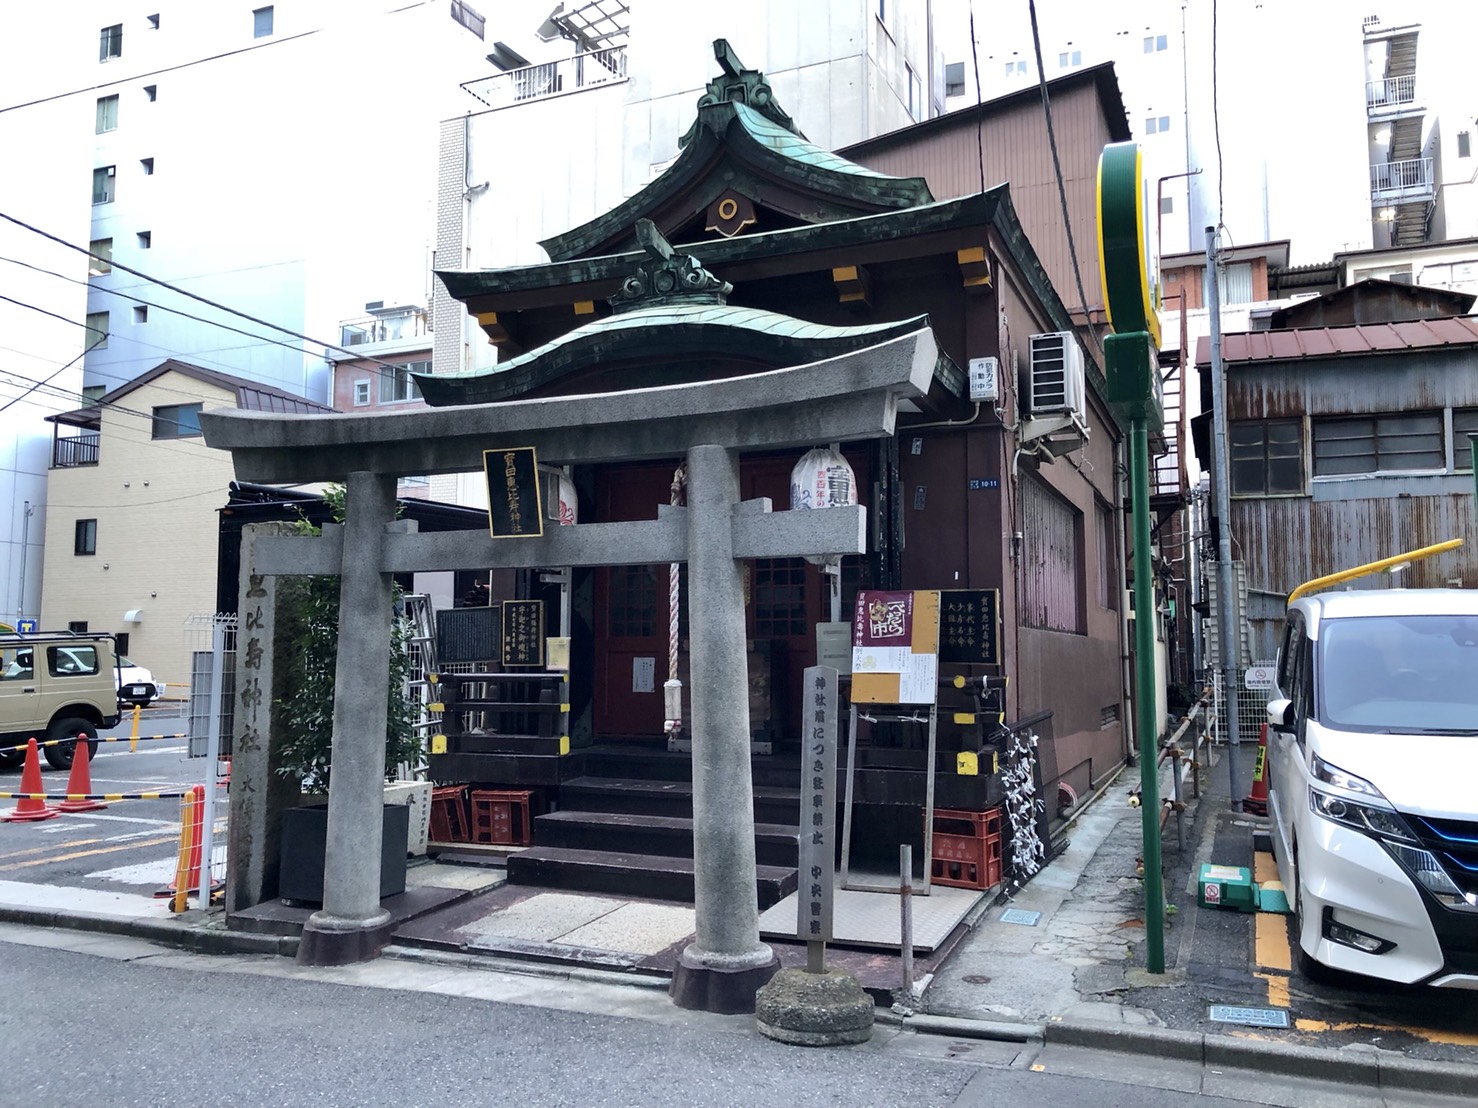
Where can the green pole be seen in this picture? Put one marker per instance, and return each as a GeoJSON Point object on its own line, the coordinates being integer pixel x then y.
{"type": "Point", "coordinates": [1144, 698]}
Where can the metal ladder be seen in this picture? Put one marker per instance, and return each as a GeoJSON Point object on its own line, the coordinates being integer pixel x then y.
{"type": "Point", "coordinates": [427, 668]}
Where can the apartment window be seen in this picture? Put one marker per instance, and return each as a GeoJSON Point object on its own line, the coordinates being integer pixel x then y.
{"type": "Point", "coordinates": [396, 383]}
{"type": "Point", "coordinates": [1069, 58]}
{"type": "Point", "coordinates": [153, 26]}
{"type": "Point", "coordinates": [120, 643]}
{"type": "Point", "coordinates": [86, 538]}
{"type": "Point", "coordinates": [107, 119]}
{"type": "Point", "coordinates": [147, 165]}
{"type": "Point", "coordinates": [1155, 43]}
{"type": "Point", "coordinates": [151, 93]}
{"type": "Point", "coordinates": [1464, 144]}
{"type": "Point", "coordinates": [77, 625]}
{"type": "Point", "coordinates": [1156, 124]}
{"type": "Point", "coordinates": [915, 93]}
{"type": "Point", "coordinates": [1464, 424]}
{"type": "Point", "coordinates": [1375, 444]}
{"type": "Point", "coordinates": [102, 257]}
{"type": "Point", "coordinates": [176, 421]}
{"type": "Point", "coordinates": [261, 22]}
{"type": "Point", "coordinates": [102, 184]}
{"type": "Point", "coordinates": [1015, 68]}
{"type": "Point", "coordinates": [361, 392]}
{"type": "Point", "coordinates": [146, 240]}
{"type": "Point", "coordinates": [110, 43]}
{"type": "Point", "coordinates": [94, 392]}
{"type": "Point", "coordinates": [141, 313]}
{"type": "Point", "coordinates": [954, 79]}
{"type": "Point", "coordinates": [1267, 457]}
{"type": "Point", "coordinates": [97, 330]}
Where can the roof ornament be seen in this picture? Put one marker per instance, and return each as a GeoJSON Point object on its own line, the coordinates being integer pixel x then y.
{"type": "Point", "coordinates": [740, 86]}
{"type": "Point", "coordinates": [664, 276]}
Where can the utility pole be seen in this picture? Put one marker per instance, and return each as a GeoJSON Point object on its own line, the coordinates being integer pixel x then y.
{"type": "Point", "coordinates": [1230, 633]}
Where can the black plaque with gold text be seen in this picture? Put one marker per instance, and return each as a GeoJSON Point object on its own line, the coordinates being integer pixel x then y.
{"type": "Point", "coordinates": [523, 633]}
{"type": "Point", "coordinates": [514, 508]}
{"type": "Point", "coordinates": [969, 627]}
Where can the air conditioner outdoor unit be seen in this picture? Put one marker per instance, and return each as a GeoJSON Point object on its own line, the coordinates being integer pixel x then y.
{"type": "Point", "coordinates": [1057, 383]}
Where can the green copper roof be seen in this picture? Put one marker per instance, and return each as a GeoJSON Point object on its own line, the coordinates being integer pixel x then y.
{"type": "Point", "coordinates": [669, 333]}
{"type": "Point", "coordinates": [789, 145]}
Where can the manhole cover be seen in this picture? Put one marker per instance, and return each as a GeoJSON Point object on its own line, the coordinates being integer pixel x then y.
{"type": "Point", "coordinates": [975, 979]}
{"type": "Point", "coordinates": [1017, 915]}
{"type": "Point", "coordinates": [1250, 1017]}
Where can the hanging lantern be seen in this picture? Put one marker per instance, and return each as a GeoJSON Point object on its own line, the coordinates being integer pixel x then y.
{"type": "Point", "coordinates": [822, 479]}
{"type": "Point", "coordinates": [568, 511]}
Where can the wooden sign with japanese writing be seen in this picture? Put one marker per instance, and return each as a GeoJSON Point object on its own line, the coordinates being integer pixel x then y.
{"type": "Point", "coordinates": [895, 644]}
{"type": "Point", "coordinates": [523, 633]}
{"type": "Point", "coordinates": [815, 873]}
{"type": "Point", "coordinates": [515, 510]}
{"type": "Point", "coordinates": [970, 627]}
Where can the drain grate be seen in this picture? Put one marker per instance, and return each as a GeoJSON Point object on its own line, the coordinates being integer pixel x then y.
{"type": "Point", "coordinates": [1019, 916]}
{"type": "Point", "coordinates": [1249, 1017]}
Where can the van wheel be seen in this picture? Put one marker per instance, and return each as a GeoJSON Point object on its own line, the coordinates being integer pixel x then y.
{"type": "Point", "coordinates": [1305, 964]}
{"type": "Point", "coordinates": [60, 756]}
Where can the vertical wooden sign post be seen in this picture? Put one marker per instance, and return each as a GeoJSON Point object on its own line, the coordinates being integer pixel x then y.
{"type": "Point", "coordinates": [818, 814]}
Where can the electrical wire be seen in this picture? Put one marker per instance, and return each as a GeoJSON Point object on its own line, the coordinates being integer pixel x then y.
{"type": "Point", "coordinates": [1067, 223]}
{"type": "Point", "coordinates": [47, 381]}
{"type": "Point", "coordinates": [192, 295]}
{"type": "Point", "coordinates": [1216, 119]}
{"type": "Point", "coordinates": [979, 98]}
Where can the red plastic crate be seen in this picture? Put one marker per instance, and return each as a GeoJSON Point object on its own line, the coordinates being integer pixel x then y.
{"type": "Point", "coordinates": [502, 816]}
{"type": "Point", "coordinates": [966, 848]}
{"type": "Point", "coordinates": [449, 814]}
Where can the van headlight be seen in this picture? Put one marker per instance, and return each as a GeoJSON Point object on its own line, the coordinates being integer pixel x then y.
{"type": "Point", "coordinates": [1377, 819]}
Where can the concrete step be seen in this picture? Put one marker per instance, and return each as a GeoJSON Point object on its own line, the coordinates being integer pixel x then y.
{"type": "Point", "coordinates": [667, 798]}
{"type": "Point", "coordinates": [670, 836]}
{"type": "Point", "coordinates": [652, 876]}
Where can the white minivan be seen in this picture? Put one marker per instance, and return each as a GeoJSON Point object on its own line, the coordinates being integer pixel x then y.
{"type": "Point", "coordinates": [1373, 782]}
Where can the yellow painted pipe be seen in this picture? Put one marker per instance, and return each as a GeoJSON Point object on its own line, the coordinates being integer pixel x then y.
{"type": "Point", "coordinates": [133, 739]}
{"type": "Point", "coordinates": [1372, 567]}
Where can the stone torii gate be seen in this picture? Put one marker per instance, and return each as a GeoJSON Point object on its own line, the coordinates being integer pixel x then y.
{"type": "Point", "coordinates": [847, 398]}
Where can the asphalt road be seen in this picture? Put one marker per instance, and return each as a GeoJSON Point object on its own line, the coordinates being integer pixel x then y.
{"type": "Point", "coordinates": [130, 845]}
{"type": "Point", "coordinates": [144, 1026]}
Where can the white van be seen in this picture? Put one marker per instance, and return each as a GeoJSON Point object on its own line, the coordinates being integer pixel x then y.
{"type": "Point", "coordinates": [1373, 782]}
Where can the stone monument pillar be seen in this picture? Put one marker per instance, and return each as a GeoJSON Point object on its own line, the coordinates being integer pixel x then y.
{"type": "Point", "coordinates": [726, 963]}
{"type": "Point", "coordinates": [352, 927]}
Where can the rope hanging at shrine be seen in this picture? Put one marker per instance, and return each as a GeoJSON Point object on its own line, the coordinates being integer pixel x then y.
{"type": "Point", "coordinates": [674, 721]}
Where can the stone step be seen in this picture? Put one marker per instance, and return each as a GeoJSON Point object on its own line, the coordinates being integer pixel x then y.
{"type": "Point", "coordinates": [650, 876]}
{"type": "Point", "coordinates": [667, 798]}
{"type": "Point", "coordinates": [670, 836]}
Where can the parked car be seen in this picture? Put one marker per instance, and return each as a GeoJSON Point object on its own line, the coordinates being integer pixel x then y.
{"type": "Point", "coordinates": [55, 685]}
{"type": "Point", "coordinates": [1373, 755]}
{"type": "Point", "coordinates": [136, 685]}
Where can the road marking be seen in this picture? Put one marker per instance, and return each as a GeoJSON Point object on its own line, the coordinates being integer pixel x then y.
{"type": "Point", "coordinates": [1277, 989]}
{"type": "Point", "coordinates": [49, 847]}
{"type": "Point", "coordinates": [88, 853]}
{"type": "Point", "coordinates": [1453, 1038]}
{"type": "Point", "coordinates": [134, 819]}
{"type": "Point", "coordinates": [1264, 867]}
{"type": "Point", "coordinates": [1273, 951]}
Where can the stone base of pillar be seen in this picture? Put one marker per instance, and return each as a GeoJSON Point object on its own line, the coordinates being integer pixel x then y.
{"type": "Point", "coordinates": [335, 941]}
{"type": "Point", "coordinates": [814, 1009]}
{"type": "Point", "coordinates": [715, 984]}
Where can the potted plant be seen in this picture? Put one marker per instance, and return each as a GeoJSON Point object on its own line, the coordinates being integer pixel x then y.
{"type": "Point", "coordinates": [310, 611]}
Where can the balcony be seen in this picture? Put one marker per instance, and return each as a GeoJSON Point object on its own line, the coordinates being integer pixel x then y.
{"type": "Point", "coordinates": [75, 450]}
{"type": "Point", "coordinates": [1390, 96]}
{"type": "Point", "coordinates": [1406, 180]}
{"type": "Point", "coordinates": [539, 82]}
{"type": "Point", "coordinates": [383, 325]}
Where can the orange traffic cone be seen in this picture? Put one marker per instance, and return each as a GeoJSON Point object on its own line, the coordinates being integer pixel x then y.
{"type": "Point", "coordinates": [1257, 803]}
{"type": "Point", "coordinates": [28, 810]}
{"type": "Point", "coordinates": [79, 783]}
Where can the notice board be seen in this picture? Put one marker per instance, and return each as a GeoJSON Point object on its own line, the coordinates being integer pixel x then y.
{"type": "Point", "coordinates": [895, 647]}
{"type": "Point", "coordinates": [523, 633]}
{"type": "Point", "coordinates": [515, 508]}
{"type": "Point", "coordinates": [970, 627]}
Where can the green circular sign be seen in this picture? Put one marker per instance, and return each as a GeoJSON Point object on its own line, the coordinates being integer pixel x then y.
{"type": "Point", "coordinates": [1129, 289]}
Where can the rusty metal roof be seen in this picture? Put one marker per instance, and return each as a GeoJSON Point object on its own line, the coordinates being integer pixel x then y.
{"type": "Point", "coordinates": [1333, 342]}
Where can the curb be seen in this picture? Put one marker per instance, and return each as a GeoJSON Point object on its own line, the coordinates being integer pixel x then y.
{"type": "Point", "coordinates": [1383, 1069]}
{"type": "Point", "coordinates": [197, 940]}
{"type": "Point", "coordinates": [1002, 1031]}
{"type": "Point", "coordinates": [490, 963]}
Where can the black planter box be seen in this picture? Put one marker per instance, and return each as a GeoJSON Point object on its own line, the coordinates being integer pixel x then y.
{"type": "Point", "coordinates": [304, 839]}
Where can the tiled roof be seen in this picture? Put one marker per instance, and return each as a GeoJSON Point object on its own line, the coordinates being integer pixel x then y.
{"type": "Point", "coordinates": [1330, 342]}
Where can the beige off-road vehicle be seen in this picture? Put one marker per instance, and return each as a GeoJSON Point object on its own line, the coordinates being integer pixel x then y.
{"type": "Point", "coordinates": [56, 685]}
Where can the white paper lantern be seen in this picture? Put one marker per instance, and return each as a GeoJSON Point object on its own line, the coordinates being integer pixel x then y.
{"type": "Point", "coordinates": [568, 509]}
{"type": "Point", "coordinates": [822, 479]}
